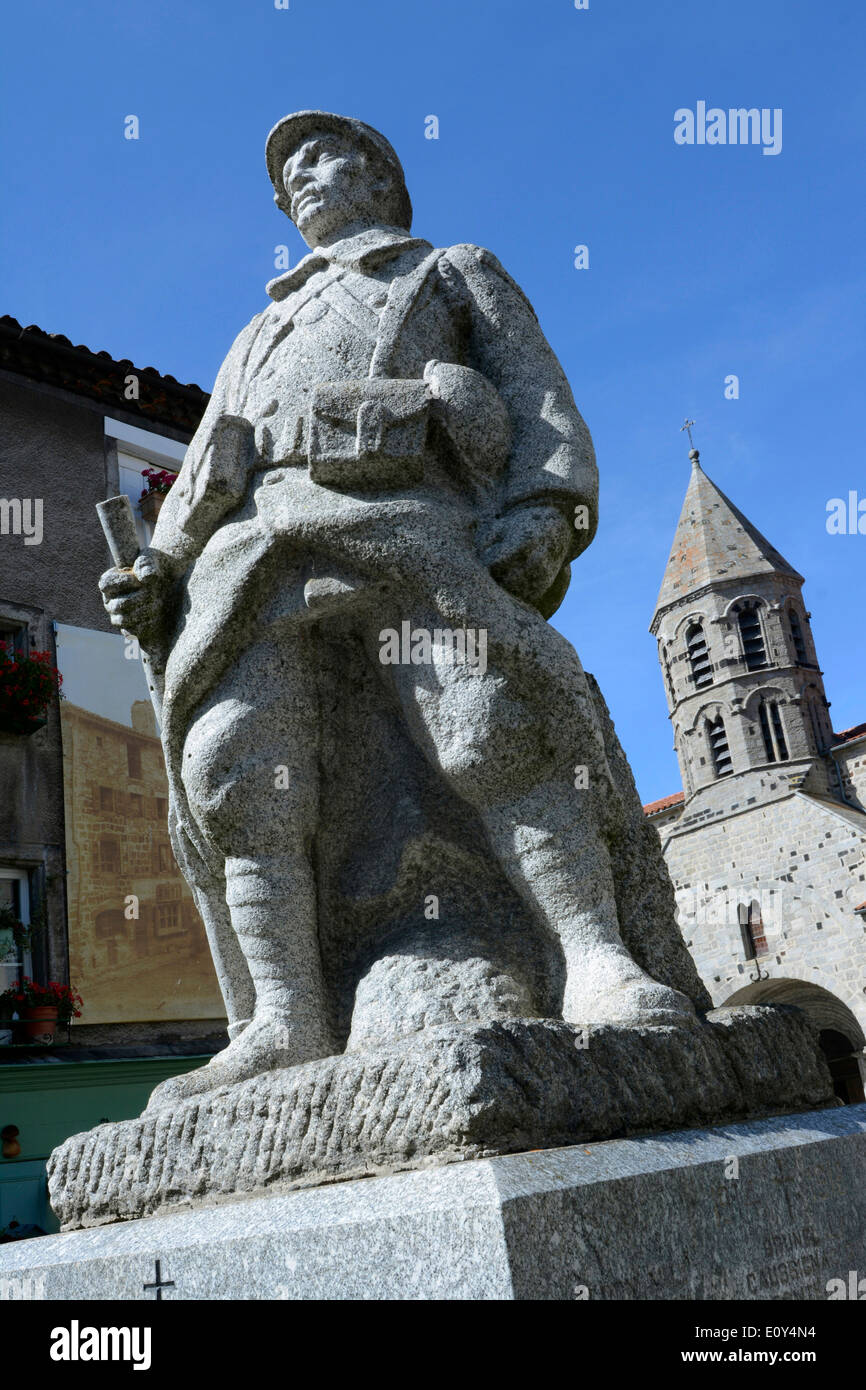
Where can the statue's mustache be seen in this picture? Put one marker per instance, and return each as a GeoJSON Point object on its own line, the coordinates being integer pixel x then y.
{"type": "Point", "coordinates": [300, 193]}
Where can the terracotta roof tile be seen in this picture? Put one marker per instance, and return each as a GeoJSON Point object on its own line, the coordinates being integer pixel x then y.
{"type": "Point", "coordinates": [52, 358]}
{"type": "Point", "coordinates": [653, 807]}
{"type": "Point", "coordinates": [857, 731]}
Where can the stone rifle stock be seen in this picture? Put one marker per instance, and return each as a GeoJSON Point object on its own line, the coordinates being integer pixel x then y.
{"type": "Point", "coordinates": [118, 523]}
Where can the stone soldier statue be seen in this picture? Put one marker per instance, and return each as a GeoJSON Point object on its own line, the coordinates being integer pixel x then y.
{"type": "Point", "coordinates": [396, 794]}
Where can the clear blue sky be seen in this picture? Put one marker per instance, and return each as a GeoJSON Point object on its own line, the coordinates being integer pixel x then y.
{"type": "Point", "coordinates": [556, 128]}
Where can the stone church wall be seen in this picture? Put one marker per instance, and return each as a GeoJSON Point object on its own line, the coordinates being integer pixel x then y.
{"type": "Point", "coordinates": [805, 864]}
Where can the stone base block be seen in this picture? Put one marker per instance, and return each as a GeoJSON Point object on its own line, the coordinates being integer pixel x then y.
{"type": "Point", "coordinates": [774, 1209]}
{"type": "Point", "coordinates": [449, 1094]}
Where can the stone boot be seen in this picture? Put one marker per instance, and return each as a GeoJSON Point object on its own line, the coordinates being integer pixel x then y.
{"type": "Point", "coordinates": [558, 862]}
{"type": "Point", "coordinates": [275, 924]}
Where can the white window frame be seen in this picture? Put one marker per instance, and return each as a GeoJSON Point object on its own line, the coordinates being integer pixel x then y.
{"type": "Point", "coordinates": [156, 448]}
{"type": "Point", "coordinates": [144, 447]}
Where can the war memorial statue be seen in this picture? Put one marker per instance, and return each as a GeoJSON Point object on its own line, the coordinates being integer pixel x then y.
{"type": "Point", "coordinates": [441, 924]}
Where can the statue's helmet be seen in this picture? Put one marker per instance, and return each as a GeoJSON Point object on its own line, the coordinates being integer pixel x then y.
{"type": "Point", "coordinates": [292, 130]}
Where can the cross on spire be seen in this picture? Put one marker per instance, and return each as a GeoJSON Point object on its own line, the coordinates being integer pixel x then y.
{"type": "Point", "coordinates": [688, 428]}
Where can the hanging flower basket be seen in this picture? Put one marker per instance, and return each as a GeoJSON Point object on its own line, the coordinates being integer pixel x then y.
{"type": "Point", "coordinates": [159, 483]}
{"type": "Point", "coordinates": [150, 506]}
{"type": "Point", "coordinates": [27, 686]}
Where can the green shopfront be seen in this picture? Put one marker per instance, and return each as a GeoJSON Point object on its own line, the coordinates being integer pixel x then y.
{"type": "Point", "coordinates": [46, 1100]}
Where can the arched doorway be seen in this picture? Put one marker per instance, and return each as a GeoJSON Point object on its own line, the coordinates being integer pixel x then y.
{"type": "Point", "coordinates": [844, 1066]}
{"type": "Point", "coordinates": [840, 1035]}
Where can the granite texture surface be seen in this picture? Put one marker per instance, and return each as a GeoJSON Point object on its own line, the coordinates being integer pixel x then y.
{"type": "Point", "coordinates": [399, 800]}
{"type": "Point", "coordinates": [396, 794]}
{"type": "Point", "coordinates": [448, 1094]}
{"type": "Point", "coordinates": [771, 1209]}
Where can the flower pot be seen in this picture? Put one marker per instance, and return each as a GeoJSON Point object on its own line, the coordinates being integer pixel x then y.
{"type": "Point", "coordinates": [39, 1021]}
{"type": "Point", "coordinates": [150, 505]}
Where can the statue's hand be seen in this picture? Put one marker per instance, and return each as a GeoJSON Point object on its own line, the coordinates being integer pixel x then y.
{"type": "Point", "coordinates": [135, 599]}
{"type": "Point", "coordinates": [527, 548]}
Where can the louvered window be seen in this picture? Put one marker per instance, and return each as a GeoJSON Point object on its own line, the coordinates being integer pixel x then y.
{"type": "Point", "coordinates": [699, 657]}
{"type": "Point", "coordinates": [772, 732]}
{"type": "Point", "coordinates": [765, 731]}
{"type": "Point", "coordinates": [719, 750]}
{"type": "Point", "coordinates": [778, 732]}
{"type": "Point", "coordinates": [754, 652]}
{"type": "Point", "coordinates": [797, 635]}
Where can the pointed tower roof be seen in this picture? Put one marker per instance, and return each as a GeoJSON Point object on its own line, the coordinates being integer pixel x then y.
{"type": "Point", "coordinates": [714, 542]}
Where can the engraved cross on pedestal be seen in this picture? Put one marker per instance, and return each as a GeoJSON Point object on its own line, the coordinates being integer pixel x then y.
{"type": "Point", "coordinates": [160, 1283]}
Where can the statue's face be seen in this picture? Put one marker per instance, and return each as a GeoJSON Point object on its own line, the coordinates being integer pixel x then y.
{"type": "Point", "coordinates": [330, 184]}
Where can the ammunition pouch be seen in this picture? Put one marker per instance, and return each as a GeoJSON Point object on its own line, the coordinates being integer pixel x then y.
{"type": "Point", "coordinates": [368, 434]}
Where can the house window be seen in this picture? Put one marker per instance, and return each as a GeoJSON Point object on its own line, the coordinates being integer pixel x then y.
{"type": "Point", "coordinates": [130, 468]}
{"type": "Point", "coordinates": [15, 896]}
{"type": "Point", "coordinates": [699, 657]}
{"type": "Point", "coordinates": [798, 639]}
{"type": "Point", "coordinates": [718, 740]}
{"type": "Point", "coordinates": [751, 633]}
{"type": "Point", "coordinates": [161, 808]}
{"type": "Point", "coordinates": [775, 746]}
{"type": "Point", "coordinates": [108, 861]}
{"type": "Point", "coordinates": [106, 799]}
{"type": "Point", "coordinates": [133, 759]}
{"type": "Point", "coordinates": [752, 930]}
{"type": "Point", "coordinates": [136, 804]}
{"type": "Point", "coordinates": [13, 636]}
{"type": "Point", "coordinates": [110, 924]}
{"type": "Point", "coordinates": [166, 859]}
{"type": "Point", "coordinates": [168, 919]}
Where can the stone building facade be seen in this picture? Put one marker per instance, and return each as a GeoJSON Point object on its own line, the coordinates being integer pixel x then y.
{"type": "Point", "coordinates": [766, 843]}
{"type": "Point", "coordinates": [133, 926]}
{"type": "Point", "coordinates": [76, 426]}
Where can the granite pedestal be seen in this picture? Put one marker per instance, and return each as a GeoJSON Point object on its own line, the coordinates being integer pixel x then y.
{"type": "Point", "coordinates": [443, 1096]}
{"type": "Point", "coordinates": [772, 1209]}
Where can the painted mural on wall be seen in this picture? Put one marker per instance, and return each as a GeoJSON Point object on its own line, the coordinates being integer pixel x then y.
{"type": "Point", "coordinates": [137, 946]}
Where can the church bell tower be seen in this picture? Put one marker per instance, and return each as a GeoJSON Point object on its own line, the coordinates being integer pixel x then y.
{"type": "Point", "coordinates": [744, 689]}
